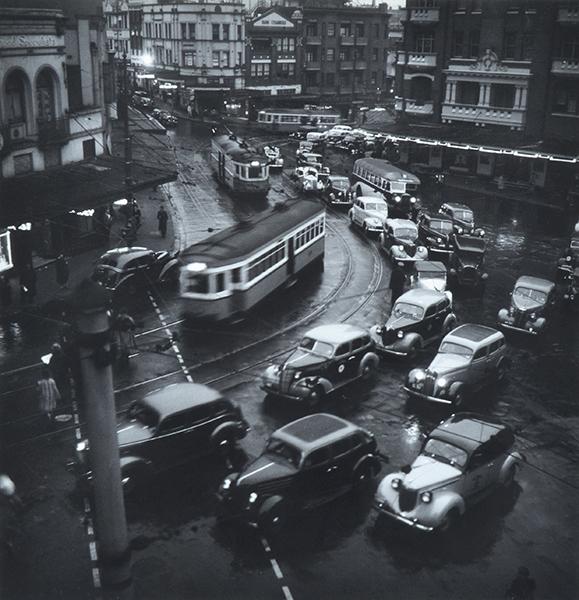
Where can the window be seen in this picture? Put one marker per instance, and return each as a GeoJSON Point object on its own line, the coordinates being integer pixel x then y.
{"type": "Point", "coordinates": [261, 70]}
{"type": "Point", "coordinates": [191, 30]}
{"type": "Point", "coordinates": [88, 149]}
{"type": "Point", "coordinates": [236, 273]}
{"type": "Point", "coordinates": [344, 54]}
{"type": "Point", "coordinates": [285, 44]}
{"type": "Point", "coordinates": [220, 282]}
{"type": "Point", "coordinates": [286, 70]}
{"type": "Point", "coordinates": [374, 78]}
{"type": "Point", "coordinates": [331, 54]}
{"type": "Point", "coordinates": [215, 58]}
{"type": "Point", "coordinates": [226, 31]}
{"type": "Point", "coordinates": [376, 30]}
{"type": "Point", "coordinates": [331, 32]}
{"type": "Point", "coordinates": [528, 46]}
{"type": "Point", "coordinates": [374, 54]}
{"type": "Point", "coordinates": [23, 163]}
{"type": "Point", "coordinates": [183, 31]}
{"type": "Point", "coordinates": [316, 458]}
{"type": "Point", "coordinates": [495, 346]}
{"type": "Point", "coordinates": [359, 53]}
{"type": "Point", "coordinates": [189, 58]}
{"type": "Point", "coordinates": [424, 42]}
{"type": "Point", "coordinates": [215, 32]}
{"type": "Point", "coordinates": [343, 349]}
{"type": "Point", "coordinates": [458, 44]}
{"type": "Point", "coordinates": [565, 99]}
{"type": "Point", "coordinates": [474, 43]}
{"type": "Point", "coordinates": [15, 103]}
{"type": "Point", "coordinates": [480, 353]}
{"type": "Point", "coordinates": [343, 446]}
{"type": "Point", "coordinates": [360, 30]}
{"type": "Point", "coordinates": [312, 30]}
{"type": "Point", "coordinates": [311, 54]}
{"type": "Point", "coordinates": [510, 44]}
{"type": "Point", "coordinates": [309, 233]}
{"type": "Point", "coordinates": [267, 260]}
{"type": "Point", "coordinates": [345, 29]}
{"type": "Point", "coordinates": [225, 58]}
{"type": "Point", "coordinates": [467, 92]}
{"type": "Point", "coordinates": [359, 343]}
{"type": "Point", "coordinates": [330, 79]}
{"type": "Point", "coordinates": [239, 33]}
{"type": "Point", "coordinates": [502, 95]}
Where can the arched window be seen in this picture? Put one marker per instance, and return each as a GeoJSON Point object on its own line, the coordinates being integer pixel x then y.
{"type": "Point", "coordinates": [421, 89]}
{"type": "Point", "coordinates": [15, 98]}
{"type": "Point", "coordinates": [218, 9]}
{"type": "Point", "coordinates": [45, 96]}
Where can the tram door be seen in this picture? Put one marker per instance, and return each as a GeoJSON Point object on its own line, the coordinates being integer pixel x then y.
{"type": "Point", "coordinates": [221, 167]}
{"type": "Point", "coordinates": [291, 256]}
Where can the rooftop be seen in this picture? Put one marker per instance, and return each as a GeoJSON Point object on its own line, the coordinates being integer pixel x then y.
{"type": "Point", "coordinates": [337, 333]}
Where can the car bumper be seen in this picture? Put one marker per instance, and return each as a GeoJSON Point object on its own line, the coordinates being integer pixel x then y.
{"type": "Point", "coordinates": [391, 350]}
{"type": "Point", "coordinates": [416, 394]}
{"type": "Point", "coordinates": [297, 395]}
{"type": "Point", "coordinates": [438, 250]}
{"type": "Point", "coordinates": [526, 329]}
{"type": "Point", "coordinates": [384, 509]}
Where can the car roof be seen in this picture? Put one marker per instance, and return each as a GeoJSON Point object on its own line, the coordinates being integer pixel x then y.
{"type": "Point", "coordinates": [122, 256]}
{"type": "Point", "coordinates": [468, 430]}
{"type": "Point", "coordinates": [422, 297]}
{"type": "Point", "coordinates": [401, 223]}
{"type": "Point", "coordinates": [457, 206]}
{"type": "Point", "coordinates": [315, 431]}
{"type": "Point", "coordinates": [470, 243]}
{"type": "Point", "coordinates": [389, 171]}
{"type": "Point", "coordinates": [377, 199]}
{"type": "Point", "coordinates": [430, 265]}
{"type": "Point", "coordinates": [535, 283]}
{"type": "Point", "coordinates": [437, 217]}
{"type": "Point", "coordinates": [178, 397]}
{"type": "Point", "coordinates": [337, 333]}
{"type": "Point", "coordinates": [472, 334]}
{"type": "Point", "coordinates": [339, 178]}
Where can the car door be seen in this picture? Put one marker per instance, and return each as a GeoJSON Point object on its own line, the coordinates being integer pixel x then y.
{"type": "Point", "coordinates": [356, 354]}
{"type": "Point", "coordinates": [319, 477]}
{"type": "Point", "coordinates": [427, 327]}
{"type": "Point", "coordinates": [173, 439]}
{"type": "Point", "coordinates": [357, 211]}
{"type": "Point", "coordinates": [479, 367]}
{"type": "Point", "coordinates": [343, 458]}
{"type": "Point", "coordinates": [477, 477]}
{"type": "Point", "coordinates": [439, 316]}
{"type": "Point", "coordinates": [340, 368]}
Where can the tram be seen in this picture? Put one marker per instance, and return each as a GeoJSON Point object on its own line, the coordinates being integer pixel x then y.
{"type": "Point", "coordinates": [229, 273]}
{"type": "Point", "coordinates": [241, 168]}
{"type": "Point", "coordinates": [399, 188]}
{"type": "Point", "coordinates": [297, 119]}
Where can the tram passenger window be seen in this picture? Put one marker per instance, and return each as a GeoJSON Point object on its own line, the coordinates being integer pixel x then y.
{"type": "Point", "coordinates": [236, 276]}
{"type": "Point", "coordinates": [254, 172]}
{"type": "Point", "coordinates": [198, 284]}
{"type": "Point", "coordinates": [220, 282]}
{"type": "Point", "coordinates": [237, 169]}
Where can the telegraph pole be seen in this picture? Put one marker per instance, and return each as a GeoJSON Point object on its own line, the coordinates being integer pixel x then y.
{"type": "Point", "coordinates": [125, 94]}
{"type": "Point", "coordinates": [94, 335]}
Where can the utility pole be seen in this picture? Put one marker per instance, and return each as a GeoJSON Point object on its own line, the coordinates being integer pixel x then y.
{"type": "Point", "coordinates": [127, 133]}
{"type": "Point", "coordinates": [94, 334]}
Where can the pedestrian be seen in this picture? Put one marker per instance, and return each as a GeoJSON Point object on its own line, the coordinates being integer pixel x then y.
{"type": "Point", "coordinates": [162, 218]}
{"type": "Point", "coordinates": [124, 331]}
{"type": "Point", "coordinates": [62, 272]}
{"type": "Point", "coordinates": [58, 366]}
{"type": "Point", "coordinates": [5, 292]}
{"type": "Point", "coordinates": [397, 281]}
{"type": "Point", "coordinates": [27, 285]}
{"type": "Point", "coordinates": [522, 587]}
{"type": "Point", "coordinates": [48, 394]}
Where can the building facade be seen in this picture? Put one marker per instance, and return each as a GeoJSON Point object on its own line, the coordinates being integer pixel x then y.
{"type": "Point", "coordinates": [345, 53]}
{"type": "Point", "coordinates": [197, 46]}
{"type": "Point", "coordinates": [273, 52]}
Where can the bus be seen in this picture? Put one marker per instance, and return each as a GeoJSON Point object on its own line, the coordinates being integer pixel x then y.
{"type": "Point", "coordinates": [297, 119]}
{"type": "Point", "coordinates": [228, 274]}
{"type": "Point", "coordinates": [399, 188]}
{"type": "Point", "coordinates": [239, 167]}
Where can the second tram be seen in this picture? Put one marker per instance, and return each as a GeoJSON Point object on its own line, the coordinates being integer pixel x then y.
{"type": "Point", "coordinates": [229, 273]}
{"type": "Point", "coordinates": [238, 166]}
{"type": "Point", "coordinates": [297, 119]}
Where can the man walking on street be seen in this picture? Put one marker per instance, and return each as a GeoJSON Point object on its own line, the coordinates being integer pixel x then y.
{"type": "Point", "coordinates": [162, 217]}
{"type": "Point", "coordinates": [397, 281]}
{"type": "Point", "coordinates": [48, 394]}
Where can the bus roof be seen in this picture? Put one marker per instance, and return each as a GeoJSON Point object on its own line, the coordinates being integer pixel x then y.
{"type": "Point", "coordinates": [301, 111]}
{"type": "Point", "coordinates": [238, 150]}
{"type": "Point", "coordinates": [239, 241]}
{"type": "Point", "coordinates": [385, 169]}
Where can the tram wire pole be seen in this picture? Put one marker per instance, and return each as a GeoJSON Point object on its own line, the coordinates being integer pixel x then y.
{"type": "Point", "coordinates": [90, 302]}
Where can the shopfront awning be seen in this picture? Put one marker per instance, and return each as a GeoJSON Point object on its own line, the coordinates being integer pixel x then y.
{"type": "Point", "coordinates": [79, 186]}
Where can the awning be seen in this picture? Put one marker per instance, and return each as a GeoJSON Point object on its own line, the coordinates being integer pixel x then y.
{"type": "Point", "coordinates": [79, 186]}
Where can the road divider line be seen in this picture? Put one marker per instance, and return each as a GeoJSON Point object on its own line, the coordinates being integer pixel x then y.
{"type": "Point", "coordinates": [276, 568]}
{"type": "Point", "coordinates": [287, 593]}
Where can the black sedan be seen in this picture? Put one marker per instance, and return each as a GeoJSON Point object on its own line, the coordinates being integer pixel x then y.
{"type": "Point", "coordinates": [435, 231]}
{"type": "Point", "coordinates": [335, 191]}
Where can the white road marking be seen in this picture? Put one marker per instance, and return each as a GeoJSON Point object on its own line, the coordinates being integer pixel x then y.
{"type": "Point", "coordinates": [276, 568]}
{"type": "Point", "coordinates": [287, 593]}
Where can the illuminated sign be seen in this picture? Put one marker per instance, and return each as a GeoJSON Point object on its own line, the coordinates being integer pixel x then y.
{"type": "Point", "coordinates": [5, 252]}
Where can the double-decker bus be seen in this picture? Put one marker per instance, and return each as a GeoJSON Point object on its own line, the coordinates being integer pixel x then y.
{"type": "Point", "coordinates": [399, 188]}
{"type": "Point", "coordinates": [297, 119]}
{"type": "Point", "coordinates": [229, 273]}
{"type": "Point", "coordinates": [238, 166]}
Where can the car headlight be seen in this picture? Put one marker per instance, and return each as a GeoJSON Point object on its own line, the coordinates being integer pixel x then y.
{"type": "Point", "coordinates": [252, 497]}
{"type": "Point", "coordinates": [426, 497]}
{"type": "Point", "coordinates": [401, 248]}
{"type": "Point", "coordinates": [481, 232]}
{"type": "Point", "coordinates": [533, 316]}
{"type": "Point", "coordinates": [419, 376]}
{"type": "Point", "coordinates": [396, 483]}
{"type": "Point", "coordinates": [332, 196]}
{"type": "Point", "coordinates": [82, 446]}
{"type": "Point", "coordinates": [298, 375]}
{"type": "Point", "coordinates": [413, 200]}
{"type": "Point", "coordinates": [442, 382]}
{"type": "Point", "coordinates": [397, 198]}
{"type": "Point", "coordinates": [459, 230]}
{"type": "Point", "coordinates": [226, 483]}
{"type": "Point", "coordinates": [439, 240]}
{"type": "Point", "coordinates": [400, 334]}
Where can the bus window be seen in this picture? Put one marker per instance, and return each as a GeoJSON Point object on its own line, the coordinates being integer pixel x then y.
{"type": "Point", "coordinates": [397, 187]}
{"type": "Point", "coordinates": [254, 172]}
{"type": "Point", "coordinates": [220, 282]}
{"type": "Point", "coordinates": [275, 118]}
{"type": "Point", "coordinates": [236, 275]}
{"type": "Point", "coordinates": [198, 284]}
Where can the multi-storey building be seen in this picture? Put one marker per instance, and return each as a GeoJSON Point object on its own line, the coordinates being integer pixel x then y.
{"type": "Point", "coordinates": [495, 72]}
{"type": "Point", "coordinates": [273, 52]}
{"type": "Point", "coordinates": [123, 19]}
{"type": "Point", "coordinates": [196, 45]}
{"type": "Point", "coordinates": [345, 52]}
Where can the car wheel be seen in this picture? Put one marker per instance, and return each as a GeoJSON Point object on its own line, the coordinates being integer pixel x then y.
{"type": "Point", "coordinates": [448, 521]}
{"type": "Point", "coordinates": [501, 371]}
{"type": "Point", "coordinates": [315, 397]}
{"type": "Point", "coordinates": [510, 477]}
{"type": "Point", "coordinates": [273, 520]}
{"type": "Point", "coordinates": [368, 369]}
{"type": "Point", "coordinates": [365, 229]}
{"type": "Point", "coordinates": [459, 398]}
{"type": "Point", "coordinates": [223, 442]}
{"type": "Point", "coordinates": [413, 350]}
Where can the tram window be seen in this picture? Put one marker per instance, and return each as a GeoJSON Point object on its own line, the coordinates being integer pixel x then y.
{"type": "Point", "coordinates": [236, 276]}
{"type": "Point", "coordinates": [220, 285]}
{"type": "Point", "coordinates": [198, 284]}
{"type": "Point", "coordinates": [254, 172]}
{"type": "Point", "coordinates": [237, 169]}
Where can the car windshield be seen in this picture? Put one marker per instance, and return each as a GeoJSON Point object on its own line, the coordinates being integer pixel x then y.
{"type": "Point", "coordinates": [452, 348]}
{"type": "Point", "coordinates": [531, 294]}
{"type": "Point", "coordinates": [317, 347]}
{"type": "Point", "coordinates": [445, 452]}
{"type": "Point", "coordinates": [406, 233]}
{"type": "Point", "coordinates": [106, 276]}
{"type": "Point", "coordinates": [404, 309]}
{"type": "Point", "coordinates": [340, 184]}
{"type": "Point", "coordinates": [464, 215]}
{"type": "Point", "coordinates": [431, 275]}
{"type": "Point", "coordinates": [441, 226]}
{"type": "Point", "coordinates": [284, 450]}
{"type": "Point", "coordinates": [376, 206]}
{"type": "Point", "coordinates": [110, 260]}
{"type": "Point", "coordinates": [144, 415]}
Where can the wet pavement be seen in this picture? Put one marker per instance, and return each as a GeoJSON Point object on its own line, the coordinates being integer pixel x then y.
{"type": "Point", "coordinates": [339, 550]}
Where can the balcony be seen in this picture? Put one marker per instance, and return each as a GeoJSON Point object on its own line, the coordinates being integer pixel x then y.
{"type": "Point", "coordinates": [424, 15]}
{"type": "Point", "coordinates": [54, 131]}
{"type": "Point", "coordinates": [568, 15]}
{"type": "Point", "coordinates": [415, 107]}
{"type": "Point", "coordinates": [286, 56]}
{"type": "Point", "coordinates": [421, 59]}
{"type": "Point", "coordinates": [481, 115]}
{"type": "Point", "coordinates": [313, 65]}
{"type": "Point", "coordinates": [563, 66]}
{"type": "Point", "coordinates": [313, 39]}
{"type": "Point", "coordinates": [347, 40]}
{"type": "Point", "coordinates": [346, 65]}
{"type": "Point", "coordinates": [360, 64]}
{"type": "Point", "coordinates": [262, 57]}
{"type": "Point", "coordinates": [361, 41]}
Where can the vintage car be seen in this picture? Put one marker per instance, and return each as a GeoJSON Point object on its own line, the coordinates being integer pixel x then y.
{"type": "Point", "coordinates": [336, 134]}
{"type": "Point", "coordinates": [435, 231]}
{"type": "Point", "coordinates": [306, 147]}
{"type": "Point", "coordinates": [141, 99]}
{"type": "Point", "coordinates": [166, 118]}
{"type": "Point", "coordinates": [335, 191]}
{"type": "Point", "coordinates": [310, 159]}
{"type": "Point", "coordinates": [126, 271]}
{"type": "Point", "coordinates": [571, 289]}
{"type": "Point", "coordinates": [428, 275]}
{"type": "Point", "coordinates": [399, 240]}
{"type": "Point", "coordinates": [462, 461]}
{"type": "Point", "coordinates": [570, 258]}
{"type": "Point", "coordinates": [419, 318]}
{"type": "Point", "coordinates": [305, 464]}
{"type": "Point", "coordinates": [469, 358]}
{"type": "Point", "coordinates": [531, 302]}
{"type": "Point", "coordinates": [274, 157]}
{"type": "Point", "coordinates": [462, 218]}
{"type": "Point", "coordinates": [466, 263]}
{"type": "Point", "coordinates": [168, 427]}
{"type": "Point", "coordinates": [328, 358]}
{"type": "Point", "coordinates": [429, 174]}
{"type": "Point", "coordinates": [369, 213]}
